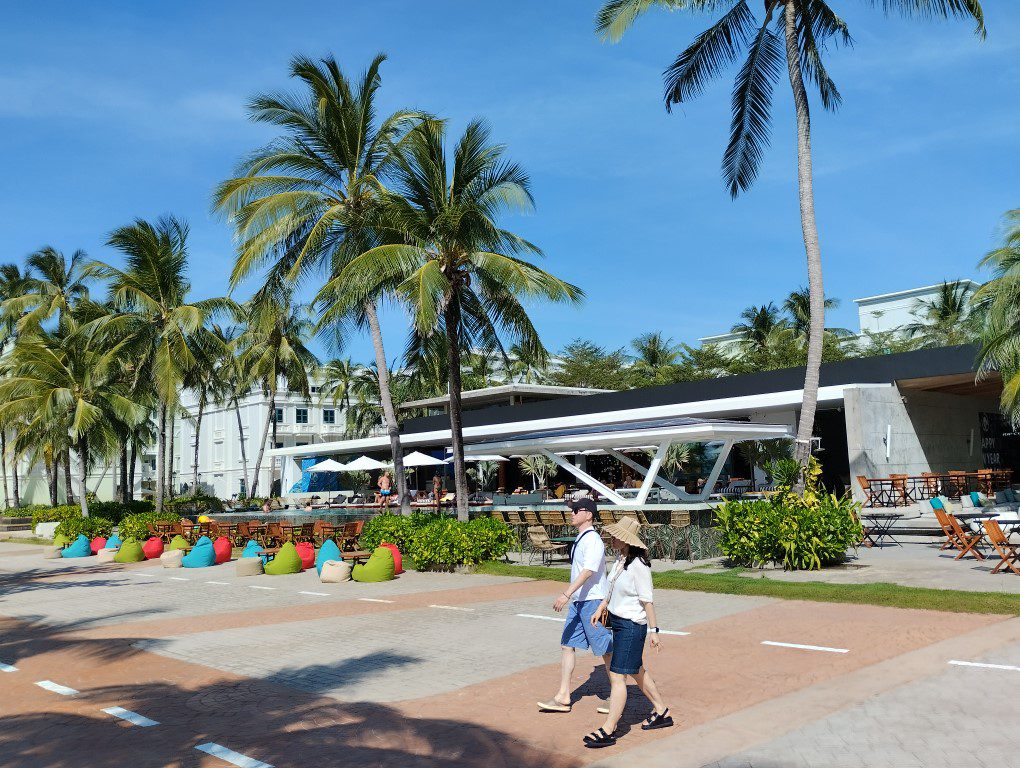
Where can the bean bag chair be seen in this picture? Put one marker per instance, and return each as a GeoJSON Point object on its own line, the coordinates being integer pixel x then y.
{"type": "Point", "coordinates": [60, 540]}
{"type": "Point", "coordinates": [97, 544]}
{"type": "Point", "coordinates": [113, 542]}
{"type": "Point", "coordinates": [52, 553]}
{"type": "Point", "coordinates": [306, 552]}
{"type": "Point", "coordinates": [172, 558]}
{"type": "Point", "coordinates": [106, 555]}
{"type": "Point", "coordinates": [334, 571]}
{"type": "Point", "coordinates": [153, 547]}
{"type": "Point", "coordinates": [204, 519]}
{"type": "Point", "coordinates": [378, 568]}
{"type": "Point", "coordinates": [179, 542]}
{"type": "Point", "coordinates": [80, 547]}
{"type": "Point", "coordinates": [328, 551]}
{"type": "Point", "coordinates": [202, 554]}
{"type": "Point", "coordinates": [252, 549]}
{"type": "Point", "coordinates": [223, 549]}
{"type": "Point", "coordinates": [397, 559]}
{"type": "Point", "coordinates": [249, 566]}
{"type": "Point", "coordinates": [130, 551]}
{"type": "Point", "coordinates": [286, 561]}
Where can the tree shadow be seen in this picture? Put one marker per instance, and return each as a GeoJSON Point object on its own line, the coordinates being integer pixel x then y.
{"type": "Point", "coordinates": [38, 579]}
{"type": "Point", "coordinates": [32, 636]}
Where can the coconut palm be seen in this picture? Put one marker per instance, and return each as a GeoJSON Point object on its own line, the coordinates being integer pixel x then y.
{"type": "Point", "coordinates": [945, 319]}
{"type": "Point", "coordinates": [758, 325]}
{"type": "Point", "coordinates": [798, 309]}
{"type": "Point", "coordinates": [998, 301]}
{"type": "Point", "coordinates": [13, 282]}
{"type": "Point", "coordinates": [52, 286]}
{"type": "Point", "coordinates": [538, 468]}
{"type": "Point", "coordinates": [794, 33]}
{"type": "Point", "coordinates": [654, 355]}
{"type": "Point", "coordinates": [303, 203]}
{"type": "Point", "coordinates": [459, 274]}
{"type": "Point", "coordinates": [206, 380]}
{"type": "Point", "coordinates": [338, 378]}
{"type": "Point", "coordinates": [528, 366]}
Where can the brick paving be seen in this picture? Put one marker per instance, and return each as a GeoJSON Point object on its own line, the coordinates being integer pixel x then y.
{"type": "Point", "coordinates": [331, 679]}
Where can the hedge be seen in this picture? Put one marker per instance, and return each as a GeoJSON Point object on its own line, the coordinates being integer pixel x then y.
{"type": "Point", "coordinates": [90, 526]}
{"type": "Point", "coordinates": [437, 542]}
{"type": "Point", "coordinates": [186, 505]}
{"type": "Point", "coordinates": [138, 525]}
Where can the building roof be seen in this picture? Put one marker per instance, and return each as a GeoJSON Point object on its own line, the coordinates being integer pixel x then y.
{"type": "Point", "coordinates": [502, 392]}
{"type": "Point", "coordinates": [912, 292]}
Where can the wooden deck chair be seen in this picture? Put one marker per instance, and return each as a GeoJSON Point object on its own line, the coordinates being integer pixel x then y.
{"type": "Point", "coordinates": [947, 529]}
{"type": "Point", "coordinates": [606, 517]}
{"type": "Point", "coordinates": [1009, 553]}
{"type": "Point", "coordinates": [967, 542]}
{"type": "Point", "coordinates": [870, 497]}
{"type": "Point", "coordinates": [540, 543]}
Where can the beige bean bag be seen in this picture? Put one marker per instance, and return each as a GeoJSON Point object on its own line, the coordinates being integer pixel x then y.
{"type": "Point", "coordinates": [335, 571]}
{"type": "Point", "coordinates": [171, 558]}
{"type": "Point", "coordinates": [52, 553]}
{"type": "Point", "coordinates": [106, 555]}
{"type": "Point", "coordinates": [249, 566]}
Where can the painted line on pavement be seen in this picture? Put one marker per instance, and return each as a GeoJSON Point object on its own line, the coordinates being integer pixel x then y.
{"type": "Point", "coordinates": [543, 618]}
{"type": "Point", "coordinates": [132, 717]}
{"type": "Point", "coordinates": [673, 632]}
{"type": "Point", "coordinates": [317, 594]}
{"type": "Point", "coordinates": [220, 583]}
{"type": "Point", "coordinates": [7, 667]}
{"type": "Point", "coordinates": [805, 647]}
{"type": "Point", "coordinates": [452, 608]}
{"type": "Point", "coordinates": [1006, 667]}
{"type": "Point", "coordinates": [256, 586]}
{"type": "Point", "coordinates": [374, 600]}
{"type": "Point", "coordinates": [63, 690]}
{"type": "Point", "coordinates": [179, 578]}
{"type": "Point", "coordinates": [230, 756]}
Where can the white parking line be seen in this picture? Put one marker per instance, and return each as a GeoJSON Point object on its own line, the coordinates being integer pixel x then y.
{"type": "Point", "coordinates": [221, 583]}
{"type": "Point", "coordinates": [374, 600]}
{"type": "Point", "coordinates": [7, 668]}
{"type": "Point", "coordinates": [256, 586]}
{"type": "Point", "coordinates": [132, 717]}
{"type": "Point", "coordinates": [230, 756]}
{"type": "Point", "coordinates": [63, 690]}
{"type": "Point", "coordinates": [179, 578]}
{"type": "Point", "coordinates": [1006, 667]}
{"type": "Point", "coordinates": [543, 618]}
{"type": "Point", "coordinates": [452, 608]}
{"type": "Point", "coordinates": [318, 594]}
{"type": "Point", "coordinates": [806, 647]}
{"type": "Point", "coordinates": [673, 632]}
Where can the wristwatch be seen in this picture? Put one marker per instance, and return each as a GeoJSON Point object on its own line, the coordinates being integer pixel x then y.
{"type": "Point", "coordinates": [654, 629]}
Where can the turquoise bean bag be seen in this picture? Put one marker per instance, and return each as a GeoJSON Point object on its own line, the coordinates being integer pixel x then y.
{"type": "Point", "coordinates": [80, 547]}
{"type": "Point", "coordinates": [201, 556]}
{"type": "Point", "coordinates": [130, 552]}
{"type": "Point", "coordinates": [252, 549]}
{"type": "Point", "coordinates": [328, 551]}
{"type": "Point", "coordinates": [113, 542]}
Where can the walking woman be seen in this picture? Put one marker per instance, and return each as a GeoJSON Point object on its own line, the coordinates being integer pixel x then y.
{"type": "Point", "coordinates": [631, 614]}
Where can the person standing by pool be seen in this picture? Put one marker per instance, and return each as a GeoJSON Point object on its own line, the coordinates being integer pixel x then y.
{"type": "Point", "coordinates": [586, 591]}
{"type": "Point", "coordinates": [384, 488]}
{"type": "Point", "coordinates": [632, 618]}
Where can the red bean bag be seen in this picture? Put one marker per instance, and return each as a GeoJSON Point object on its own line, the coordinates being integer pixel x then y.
{"type": "Point", "coordinates": [152, 548]}
{"type": "Point", "coordinates": [97, 544]}
{"type": "Point", "coordinates": [307, 554]}
{"type": "Point", "coordinates": [223, 549]}
{"type": "Point", "coordinates": [396, 557]}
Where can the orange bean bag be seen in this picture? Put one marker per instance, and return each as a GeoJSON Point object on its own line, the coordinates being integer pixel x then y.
{"type": "Point", "coordinates": [152, 548]}
{"type": "Point", "coordinates": [307, 554]}
{"type": "Point", "coordinates": [223, 549]}
{"type": "Point", "coordinates": [97, 544]}
{"type": "Point", "coordinates": [398, 568]}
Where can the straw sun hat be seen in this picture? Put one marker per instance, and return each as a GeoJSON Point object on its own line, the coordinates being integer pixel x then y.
{"type": "Point", "coordinates": [626, 530]}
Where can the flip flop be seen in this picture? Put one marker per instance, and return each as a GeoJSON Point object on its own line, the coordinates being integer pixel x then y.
{"type": "Point", "coordinates": [552, 706]}
{"type": "Point", "coordinates": [603, 710]}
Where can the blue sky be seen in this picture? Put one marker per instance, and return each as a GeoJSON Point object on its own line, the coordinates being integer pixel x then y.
{"type": "Point", "coordinates": [119, 110]}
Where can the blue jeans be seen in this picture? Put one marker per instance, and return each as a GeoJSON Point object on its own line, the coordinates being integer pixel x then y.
{"type": "Point", "coordinates": [579, 633]}
{"type": "Point", "coordinates": [628, 645]}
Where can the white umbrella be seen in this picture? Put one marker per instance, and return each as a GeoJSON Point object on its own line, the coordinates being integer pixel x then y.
{"type": "Point", "coordinates": [419, 459]}
{"type": "Point", "coordinates": [493, 457]}
{"type": "Point", "coordinates": [363, 463]}
{"type": "Point", "coordinates": [329, 465]}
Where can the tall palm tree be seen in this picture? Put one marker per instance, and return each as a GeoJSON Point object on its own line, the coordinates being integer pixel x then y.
{"type": "Point", "coordinates": [998, 302]}
{"type": "Point", "coordinates": [797, 31]}
{"type": "Point", "coordinates": [13, 282]}
{"type": "Point", "coordinates": [304, 202]}
{"type": "Point", "coordinates": [206, 380]}
{"type": "Point", "coordinates": [757, 325]}
{"type": "Point", "coordinates": [273, 350]}
{"type": "Point", "coordinates": [460, 275]}
{"type": "Point", "coordinates": [798, 309]}
{"type": "Point", "coordinates": [338, 381]}
{"type": "Point", "coordinates": [945, 319]}
{"type": "Point", "coordinates": [528, 366]}
{"type": "Point", "coordinates": [654, 354]}
{"type": "Point", "coordinates": [156, 314]}
{"type": "Point", "coordinates": [53, 286]}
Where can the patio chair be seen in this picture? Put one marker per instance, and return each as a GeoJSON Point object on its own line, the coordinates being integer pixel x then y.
{"type": "Point", "coordinates": [947, 528]}
{"type": "Point", "coordinates": [1008, 552]}
{"type": "Point", "coordinates": [870, 495]}
{"type": "Point", "coordinates": [655, 535]}
{"type": "Point", "coordinates": [274, 535]}
{"type": "Point", "coordinates": [966, 541]}
{"type": "Point", "coordinates": [606, 517]}
{"type": "Point", "coordinates": [540, 543]}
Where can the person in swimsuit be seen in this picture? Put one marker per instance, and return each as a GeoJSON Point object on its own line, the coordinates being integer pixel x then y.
{"type": "Point", "coordinates": [384, 489]}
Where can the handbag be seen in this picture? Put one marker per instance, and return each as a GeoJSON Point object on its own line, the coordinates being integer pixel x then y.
{"type": "Point", "coordinates": [602, 617]}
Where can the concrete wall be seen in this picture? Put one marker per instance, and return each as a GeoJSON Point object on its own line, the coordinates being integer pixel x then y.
{"type": "Point", "coordinates": [930, 431]}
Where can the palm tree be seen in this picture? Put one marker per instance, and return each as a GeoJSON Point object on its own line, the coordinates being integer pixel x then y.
{"type": "Point", "coordinates": [538, 468]}
{"type": "Point", "coordinates": [655, 354]}
{"type": "Point", "coordinates": [758, 325]}
{"type": "Point", "coordinates": [273, 349]}
{"type": "Point", "coordinates": [945, 319]}
{"type": "Point", "coordinates": [206, 380]}
{"type": "Point", "coordinates": [528, 366]}
{"type": "Point", "coordinates": [797, 30]}
{"type": "Point", "coordinates": [52, 286]}
{"type": "Point", "coordinates": [12, 283]}
{"type": "Point", "coordinates": [998, 301]}
{"type": "Point", "coordinates": [798, 309]}
{"type": "Point", "coordinates": [458, 273]}
{"type": "Point", "coordinates": [305, 201]}
{"type": "Point", "coordinates": [156, 315]}
{"type": "Point", "coordinates": [338, 378]}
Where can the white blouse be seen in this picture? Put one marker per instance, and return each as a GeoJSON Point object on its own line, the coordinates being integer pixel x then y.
{"type": "Point", "coordinates": [630, 588]}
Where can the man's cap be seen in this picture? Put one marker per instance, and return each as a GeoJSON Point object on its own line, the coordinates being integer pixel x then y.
{"type": "Point", "coordinates": [588, 504]}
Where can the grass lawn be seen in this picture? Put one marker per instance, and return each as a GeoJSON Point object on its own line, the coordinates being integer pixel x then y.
{"type": "Point", "coordinates": [732, 583]}
{"type": "Point", "coordinates": [34, 540]}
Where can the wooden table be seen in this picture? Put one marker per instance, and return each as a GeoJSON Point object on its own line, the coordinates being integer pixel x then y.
{"type": "Point", "coordinates": [357, 555]}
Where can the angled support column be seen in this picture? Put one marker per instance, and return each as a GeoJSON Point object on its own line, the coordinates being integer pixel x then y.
{"type": "Point", "coordinates": [716, 471]}
{"type": "Point", "coordinates": [653, 472]}
{"type": "Point", "coordinates": [584, 477]}
{"type": "Point", "coordinates": [623, 458]}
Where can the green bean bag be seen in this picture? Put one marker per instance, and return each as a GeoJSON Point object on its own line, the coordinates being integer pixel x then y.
{"type": "Point", "coordinates": [328, 551]}
{"type": "Point", "coordinates": [60, 540]}
{"type": "Point", "coordinates": [130, 551]}
{"type": "Point", "coordinates": [380, 567]}
{"type": "Point", "coordinates": [202, 555]}
{"type": "Point", "coordinates": [286, 561]}
{"type": "Point", "coordinates": [80, 547]}
{"type": "Point", "coordinates": [178, 542]}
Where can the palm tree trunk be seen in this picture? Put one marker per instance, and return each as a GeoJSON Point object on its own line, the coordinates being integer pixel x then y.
{"type": "Point", "coordinates": [262, 445]}
{"type": "Point", "coordinates": [816, 293]}
{"type": "Point", "coordinates": [133, 457]}
{"type": "Point", "coordinates": [67, 476]}
{"type": "Point", "coordinates": [15, 486]}
{"type": "Point", "coordinates": [124, 471]}
{"type": "Point", "coordinates": [452, 318]}
{"type": "Point", "coordinates": [389, 414]}
{"type": "Point", "coordinates": [170, 455]}
{"type": "Point", "coordinates": [80, 448]}
{"type": "Point", "coordinates": [244, 453]}
{"type": "Point", "coordinates": [198, 437]}
{"type": "Point", "coordinates": [3, 467]}
{"type": "Point", "coordinates": [50, 467]}
{"type": "Point", "coordinates": [160, 457]}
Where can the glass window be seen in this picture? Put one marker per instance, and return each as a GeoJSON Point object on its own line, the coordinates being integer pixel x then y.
{"type": "Point", "coordinates": [278, 417]}
{"type": "Point", "coordinates": [300, 415]}
{"type": "Point", "coordinates": [328, 416]}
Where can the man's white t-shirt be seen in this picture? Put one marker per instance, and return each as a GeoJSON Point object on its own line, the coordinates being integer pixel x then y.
{"type": "Point", "coordinates": [589, 553]}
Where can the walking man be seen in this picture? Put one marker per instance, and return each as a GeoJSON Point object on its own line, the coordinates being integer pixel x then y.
{"type": "Point", "coordinates": [582, 596]}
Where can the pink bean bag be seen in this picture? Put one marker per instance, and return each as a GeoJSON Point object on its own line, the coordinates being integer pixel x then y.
{"type": "Point", "coordinates": [223, 549]}
{"type": "Point", "coordinates": [152, 548]}
{"type": "Point", "coordinates": [396, 557]}
{"type": "Point", "coordinates": [307, 554]}
{"type": "Point", "coordinates": [97, 544]}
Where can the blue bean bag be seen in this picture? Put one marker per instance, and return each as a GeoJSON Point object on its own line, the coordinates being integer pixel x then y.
{"type": "Point", "coordinates": [202, 554]}
{"type": "Point", "coordinates": [113, 542]}
{"type": "Point", "coordinates": [252, 549]}
{"type": "Point", "coordinates": [80, 547]}
{"type": "Point", "coordinates": [328, 551]}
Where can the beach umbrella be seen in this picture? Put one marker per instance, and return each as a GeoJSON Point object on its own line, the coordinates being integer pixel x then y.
{"type": "Point", "coordinates": [329, 465]}
{"type": "Point", "coordinates": [419, 459]}
{"type": "Point", "coordinates": [363, 464]}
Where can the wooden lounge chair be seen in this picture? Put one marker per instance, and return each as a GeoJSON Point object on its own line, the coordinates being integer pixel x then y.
{"type": "Point", "coordinates": [966, 541]}
{"type": "Point", "coordinates": [947, 529]}
{"type": "Point", "coordinates": [1009, 553]}
{"type": "Point", "coordinates": [870, 496]}
{"type": "Point", "coordinates": [540, 543]}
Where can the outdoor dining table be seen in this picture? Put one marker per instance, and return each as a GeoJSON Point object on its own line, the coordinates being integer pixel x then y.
{"type": "Point", "coordinates": [879, 527]}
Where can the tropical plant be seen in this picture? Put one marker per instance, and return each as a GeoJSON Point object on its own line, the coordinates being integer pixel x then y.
{"type": "Point", "coordinates": [538, 468]}
{"type": "Point", "coordinates": [999, 303]}
{"type": "Point", "coordinates": [90, 527]}
{"type": "Point", "coordinates": [337, 382]}
{"type": "Point", "coordinates": [12, 283]}
{"type": "Point", "coordinates": [304, 203]}
{"type": "Point", "coordinates": [945, 319]}
{"type": "Point", "coordinates": [483, 473]}
{"type": "Point", "coordinates": [137, 525]}
{"type": "Point", "coordinates": [794, 32]}
{"type": "Point", "coordinates": [584, 363]}
{"type": "Point", "coordinates": [460, 275]}
{"type": "Point", "coordinates": [52, 286]}
{"type": "Point", "coordinates": [206, 380]}
{"type": "Point", "coordinates": [528, 366]}
{"type": "Point", "coordinates": [759, 326]}
{"type": "Point", "coordinates": [798, 309]}
{"type": "Point", "coordinates": [655, 357]}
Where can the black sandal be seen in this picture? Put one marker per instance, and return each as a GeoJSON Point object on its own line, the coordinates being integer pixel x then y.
{"type": "Point", "coordinates": [598, 739]}
{"type": "Point", "coordinates": [656, 720]}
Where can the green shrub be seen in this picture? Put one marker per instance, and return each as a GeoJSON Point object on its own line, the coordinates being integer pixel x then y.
{"type": "Point", "coordinates": [189, 505]}
{"type": "Point", "coordinates": [138, 525]}
{"type": "Point", "coordinates": [90, 526]}
{"type": "Point", "coordinates": [118, 510]}
{"type": "Point", "coordinates": [395, 529]}
{"type": "Point", "coordinates": [55, 514]}
{"type": "Point", "coordinates": [436, 541]}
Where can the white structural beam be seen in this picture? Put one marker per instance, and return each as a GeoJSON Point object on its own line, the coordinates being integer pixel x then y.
{"type": "Point", "coordinates": [724, 453]}
{"type": "Point", "coordinates": [585, 478]}
{"type": "Point", "coordinates": [653, 471]}
{"type": "Point", "coordinates": [626, 460]}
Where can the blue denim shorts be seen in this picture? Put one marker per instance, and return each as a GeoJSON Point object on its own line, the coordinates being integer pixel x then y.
{"type": "Point", "coordinates": [579, 633]}
{"type": "Point", "coordinates": [628, 645]}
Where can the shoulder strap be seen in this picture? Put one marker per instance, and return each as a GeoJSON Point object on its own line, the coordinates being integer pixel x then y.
{"type": "Point", "coordinates": [573, 547]}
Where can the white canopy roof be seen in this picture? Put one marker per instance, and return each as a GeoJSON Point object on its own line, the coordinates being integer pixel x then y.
{"type": "Point", "coordinates": [329, 465]}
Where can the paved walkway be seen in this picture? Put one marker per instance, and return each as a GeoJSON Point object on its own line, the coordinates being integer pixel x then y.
{"type": "Point", "coordinates": [444, 670]}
